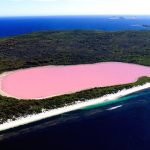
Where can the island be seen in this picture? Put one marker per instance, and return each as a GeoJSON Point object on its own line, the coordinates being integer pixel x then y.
{"type": "Point", "coordinates": [80, 52]}
{"type": "Point", "coordinates": [141, 25]}
{"type": "Point", "coordinates": [122, 17]}
{"type": "Point", "coordinates": [117, 17]}
{"type": "Point", "coordinates": [146, 25]}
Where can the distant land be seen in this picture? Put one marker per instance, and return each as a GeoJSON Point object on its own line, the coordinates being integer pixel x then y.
{"type": "Point", "coordinates": [141, 25]}
{"type": "Point", "coordinates": [116, 17]}
{"type": "Point", "coordinates": [146, 25]}
{"type": "Point", "coordinates": [123, 17]}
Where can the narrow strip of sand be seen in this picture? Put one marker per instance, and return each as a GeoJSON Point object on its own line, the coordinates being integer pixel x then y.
{"type": "Point", "coordinates": [37, 117]}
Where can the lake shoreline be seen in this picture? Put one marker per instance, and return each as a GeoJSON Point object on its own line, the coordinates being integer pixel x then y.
{"type": "Point", "coordinates": [78, 81]}
{"type": "Point", "coordinates": [78, 105]}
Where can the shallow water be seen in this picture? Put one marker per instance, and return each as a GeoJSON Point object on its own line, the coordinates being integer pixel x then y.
{"type": "Point", "coordinates": [125, 128]}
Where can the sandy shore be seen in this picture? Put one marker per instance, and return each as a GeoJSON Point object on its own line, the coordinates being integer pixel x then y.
{"type": "Point", "coordinates": [36, 117]}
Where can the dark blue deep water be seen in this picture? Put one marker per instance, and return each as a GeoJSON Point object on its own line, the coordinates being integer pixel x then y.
{"type": "Point", "coordinates": [20, 25]}
{"type": "Point", "coordinates": [124, 128]}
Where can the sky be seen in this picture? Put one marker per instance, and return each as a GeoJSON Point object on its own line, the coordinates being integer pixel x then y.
{"type": "Point", "coordinates": [73, 7]}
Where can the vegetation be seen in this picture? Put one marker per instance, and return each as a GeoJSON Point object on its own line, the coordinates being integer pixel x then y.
{"type": "Point", "coordinates": [66, 48]}
{"type": "Point", "coordinates": [11, 108]}
{"type": "Point", "coordinates": [74, 47]}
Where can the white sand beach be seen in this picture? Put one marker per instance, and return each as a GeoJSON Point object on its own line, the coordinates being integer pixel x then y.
{"type": "Point", "coordinates": [36, 117]}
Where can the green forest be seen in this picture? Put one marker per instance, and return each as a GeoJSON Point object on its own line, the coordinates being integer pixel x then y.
{"type": "Point", "coordinates": [74, 47]}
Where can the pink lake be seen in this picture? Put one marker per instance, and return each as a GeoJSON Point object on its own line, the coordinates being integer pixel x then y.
{"type": "Point", "coordinates": [48, 81]}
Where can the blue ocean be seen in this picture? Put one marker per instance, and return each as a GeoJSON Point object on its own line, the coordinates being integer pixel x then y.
{"type": "Point", "coordinates": [21, 25]}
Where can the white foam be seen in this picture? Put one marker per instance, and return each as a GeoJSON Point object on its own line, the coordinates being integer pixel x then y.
{"type": "Point", "coordinates": [115, 107]}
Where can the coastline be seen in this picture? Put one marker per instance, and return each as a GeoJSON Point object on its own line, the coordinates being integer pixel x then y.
{"type": "Point", "coordinates": [37, 117]}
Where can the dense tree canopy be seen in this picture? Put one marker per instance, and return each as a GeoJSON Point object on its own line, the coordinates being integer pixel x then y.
{"type": "Point", "coordinates": [74, 47]}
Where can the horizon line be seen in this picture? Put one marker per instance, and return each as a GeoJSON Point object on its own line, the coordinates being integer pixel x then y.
{"type": "Point", "coordinates": [77, 15]}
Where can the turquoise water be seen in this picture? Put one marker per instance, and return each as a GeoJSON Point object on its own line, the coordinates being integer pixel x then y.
{"type": "Point", "coordinates": [113, 101]}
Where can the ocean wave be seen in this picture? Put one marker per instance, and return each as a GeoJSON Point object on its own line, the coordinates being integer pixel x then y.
{"type": "Point", "coordinates": [115, 107]}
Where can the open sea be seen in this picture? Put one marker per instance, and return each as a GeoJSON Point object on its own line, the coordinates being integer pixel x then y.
{"type": "Point", "coordinates": [20, 25]}
{"type": "Point", "coordinates": [123, 125]}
